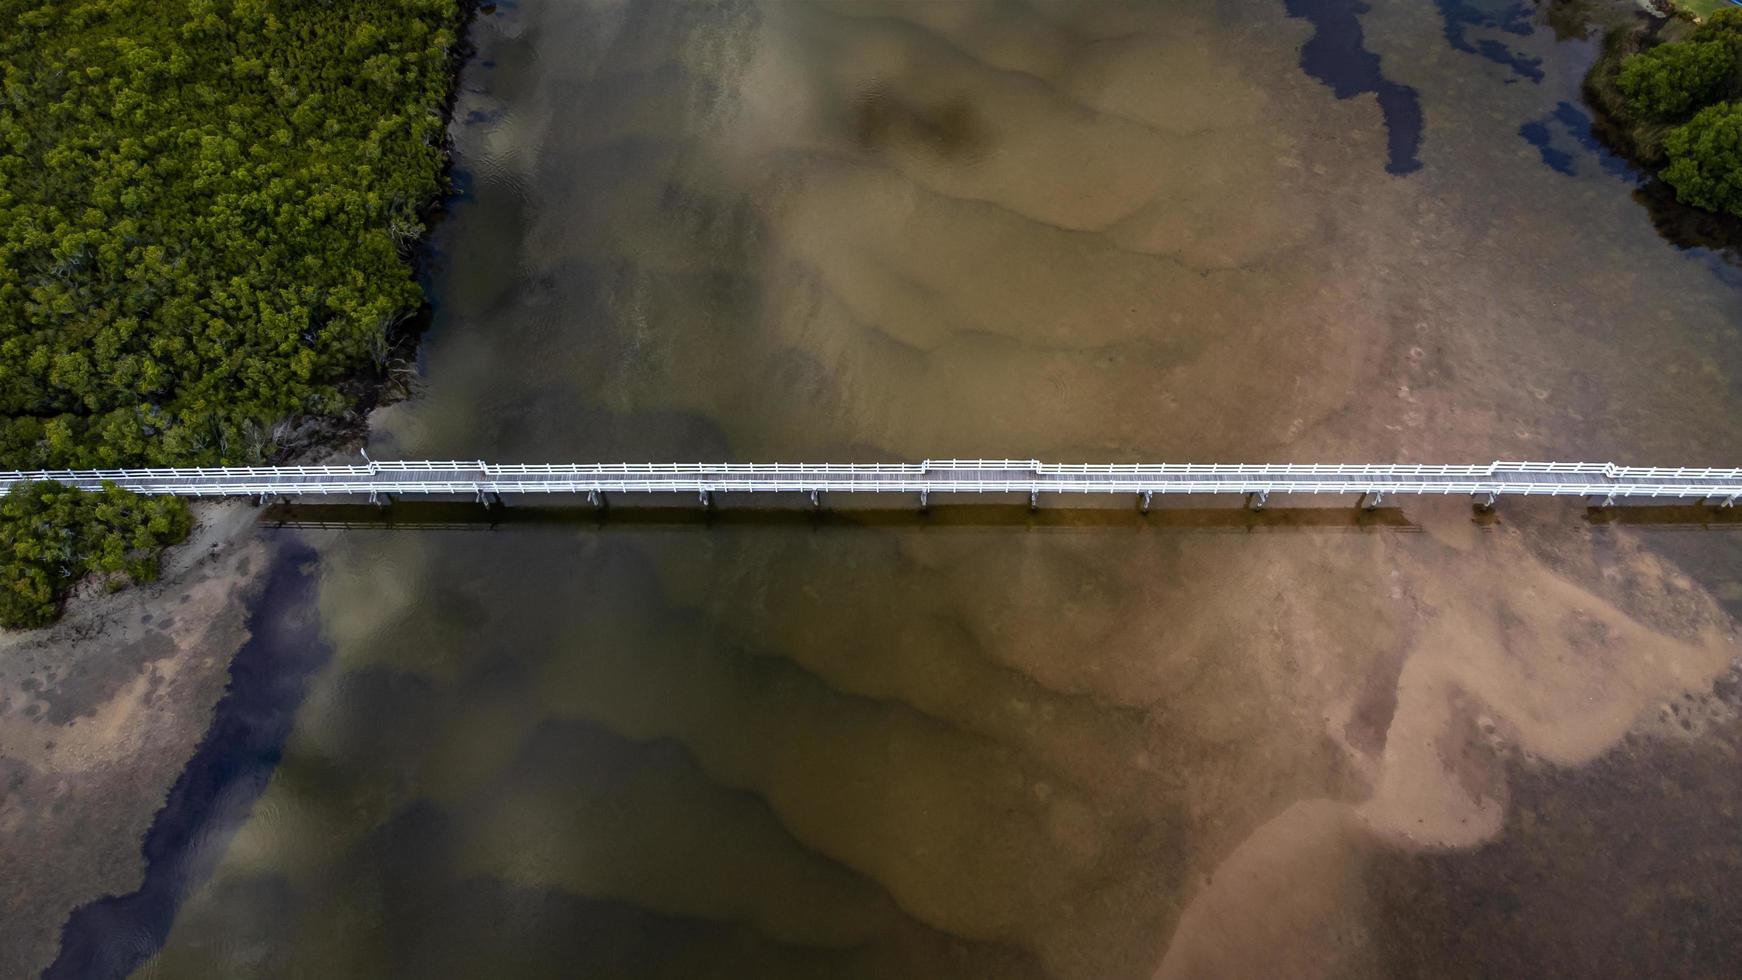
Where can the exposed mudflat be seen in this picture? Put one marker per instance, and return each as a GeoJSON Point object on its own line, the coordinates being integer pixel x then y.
{"type": "Point", "coordinates": [98, 714]}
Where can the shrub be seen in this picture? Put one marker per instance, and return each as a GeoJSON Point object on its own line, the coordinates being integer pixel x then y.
{"type": "Point", "coordinates": [1705, 157]}
{"type": "Point", "coordinates": [53, 535]}
{"type": "Point", "coordinates": [1672, 80]}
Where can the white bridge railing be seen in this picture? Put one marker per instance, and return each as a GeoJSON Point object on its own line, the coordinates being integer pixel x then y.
{"type": "Point", "coordinates": [482, 480]}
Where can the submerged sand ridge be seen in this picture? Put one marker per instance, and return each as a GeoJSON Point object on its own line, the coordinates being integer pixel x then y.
{"type": "Point", "coordinates": [898, 231]}
{"type": "Point", "coordinates": [1511, 662]}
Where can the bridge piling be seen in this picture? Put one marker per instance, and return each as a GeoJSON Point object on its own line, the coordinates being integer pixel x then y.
{"type": "Point", "coordinates": [1033, 501]}
{"type": "Point", "coordinates": [1258, 499]}
{"type": "Point", "coordinates": [1143, 504]}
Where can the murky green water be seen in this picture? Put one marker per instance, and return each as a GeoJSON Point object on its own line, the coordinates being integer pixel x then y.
{"type": "Point", "coordinates": [979, 744]}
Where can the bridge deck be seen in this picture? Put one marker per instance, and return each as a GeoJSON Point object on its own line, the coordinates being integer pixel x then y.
{"type": "Point", "coordinates": [477, 478]}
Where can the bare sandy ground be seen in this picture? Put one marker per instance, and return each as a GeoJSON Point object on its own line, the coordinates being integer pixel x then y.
{"type": "Point", "coordinates": [98, 715]}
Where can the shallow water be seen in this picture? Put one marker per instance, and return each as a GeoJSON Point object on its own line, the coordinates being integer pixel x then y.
{"type": "Point", "coordinates": [979, 744]}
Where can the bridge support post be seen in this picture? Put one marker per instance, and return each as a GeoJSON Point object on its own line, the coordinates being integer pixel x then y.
{"type": "Point", "coordinates": [1488, 504]}
{"type": "Point", "coordinates": [816, 500]}
{"type": "Point", "coordinates": [1033, 500]}
{"type": "Point", "coordinates": [597, 499]}
{"type": "Point", "coordinates": [707, 500]}
{"type": "Point", "coordinates": [1371, 501]}
{"type": "Point", "coordinates": [1258, 499]}
{"type": "Point", "coordinates": [1143, 501]}
{"type": "Point", "coordinates": [922, 501]}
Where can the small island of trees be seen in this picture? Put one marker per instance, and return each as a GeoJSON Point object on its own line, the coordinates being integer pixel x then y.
{"type": "Point", "coordinates": [207, 209]}
{"type": "Point", "coordinates": [1672, 101]}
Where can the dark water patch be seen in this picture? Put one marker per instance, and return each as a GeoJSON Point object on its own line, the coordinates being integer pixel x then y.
{"type": "Point", "coordinates": [112, 936]}
{"type": "Point", "coordinates": [1537, 134]}
{"type": "Point", "coordinates": [1689, 516]}
{"type": "Point", "coordinates": [1463, 16]}
{"type": "Point", "coordinates": [1725, 264]}
{"type": "Point", "coordinates": [477, 117]}
{"type": "Point", "coordinates": [404, 875]}
{"type": "Point", "coordinates": [1574, 20]}
{"type": "Point", "coordinates": [1689, 227]}
{"type": "Point", "coordinates": [1628, 867]}
{"type": "Point", "coordinates": [1576, 126]}
{"type": "Point", "coordinates": [951, 129]}
{"type": "Point", "coordinates": [504, 930]}
{"type": "Point", "coordinates": [1337, 55]}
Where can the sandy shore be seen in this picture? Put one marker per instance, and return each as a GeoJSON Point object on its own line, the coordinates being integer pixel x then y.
{"type": "Point", "coordinates": [98, 715]}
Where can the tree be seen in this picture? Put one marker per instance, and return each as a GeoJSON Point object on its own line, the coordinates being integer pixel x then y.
{"type": "Point", "coordinates": [203, 211]}
{"type": "Point", "coordinates": [53, 535]}
{"type": "Point", "coordinates": [1705, 157]}
{"type": "Point", "coordinates": [1672, 80]}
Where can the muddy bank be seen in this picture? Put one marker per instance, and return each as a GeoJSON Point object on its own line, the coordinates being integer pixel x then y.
{"type": "Point", "coordinates": [99, 714]}
{"type": "Point", "coordinates": [111, 936]}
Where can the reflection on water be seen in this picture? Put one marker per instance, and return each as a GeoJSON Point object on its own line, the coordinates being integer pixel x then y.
{"type": "Point", "coordinates": [981, 742]}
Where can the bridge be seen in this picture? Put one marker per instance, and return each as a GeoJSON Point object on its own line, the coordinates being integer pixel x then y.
{"type": "Point", "coordinates": [382, 481]}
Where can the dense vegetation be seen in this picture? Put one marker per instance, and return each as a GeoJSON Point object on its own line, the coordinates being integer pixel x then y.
{"type": "Point", "coordinates": [205, 211]}
{"type": "Point", "coordinates": [1676, 105]}
{"type": "Point", "coordinates": [51, 536]}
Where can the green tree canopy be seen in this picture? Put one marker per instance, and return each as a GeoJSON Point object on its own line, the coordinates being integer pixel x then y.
{"type": "Point", "coordinates": [1672, 80]}
{"type": "Point", "coordinates": [202, 209]}
{"type": "Point", "coordinates": [52, 535]}
{"type": "Point", "coordinates": [1705, 159]}
{"type": "Point", "coordinates": [204, 206]}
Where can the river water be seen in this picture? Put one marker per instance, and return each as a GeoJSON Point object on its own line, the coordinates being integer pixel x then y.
{"type": "Point", "coordinates": [974, 743]}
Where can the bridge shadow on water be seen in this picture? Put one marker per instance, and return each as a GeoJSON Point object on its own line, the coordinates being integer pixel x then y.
{"type": "Point", "coordinates": [1690, 517]}
{"type": "Point", "coordinates": [458, 516]}
{"type": "Point", "coordinates": [477, 517]}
